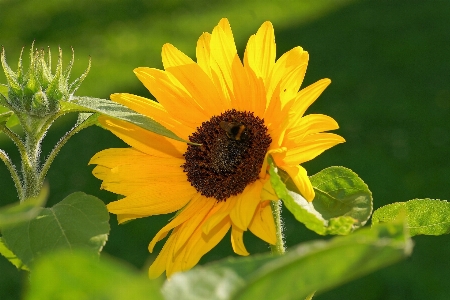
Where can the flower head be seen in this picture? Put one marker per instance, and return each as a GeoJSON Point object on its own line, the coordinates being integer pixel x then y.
{"type": "Point", "coordinates": [240, 112]}
{"type": "Point", "coordinates": [38, 92]}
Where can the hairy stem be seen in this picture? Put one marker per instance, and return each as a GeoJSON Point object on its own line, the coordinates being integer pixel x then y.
{"type": "Point", "coordinates": [13, 171]}
{"type": "Point", "coordinates": [278, 248]}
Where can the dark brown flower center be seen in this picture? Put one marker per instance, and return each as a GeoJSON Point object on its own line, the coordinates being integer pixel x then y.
{"type": "Point", "coordinates": [233, 148]}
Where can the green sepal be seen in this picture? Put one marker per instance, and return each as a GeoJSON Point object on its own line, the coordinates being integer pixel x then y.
{"type": "Point", "coordinates": [423, 216]}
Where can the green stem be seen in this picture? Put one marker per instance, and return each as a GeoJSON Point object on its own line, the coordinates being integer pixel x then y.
{"type": "Point", "coordinates": [15, 138]}
{"type": "Point", "coordinates": [13, 171]}
{"type": "Point", "coordinates": [77, 128]}
{"type": "Point", "coordinates": [30, 166]}
{"type": "Point", "coordinates": [278, 248]}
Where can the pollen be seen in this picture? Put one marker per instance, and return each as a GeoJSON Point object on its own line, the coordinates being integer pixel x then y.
{"type": "Point", "coordinates": [232, 151]}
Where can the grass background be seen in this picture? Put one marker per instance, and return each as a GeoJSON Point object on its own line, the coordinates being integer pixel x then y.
{"type": "Point", "coordinates": [389, 62]}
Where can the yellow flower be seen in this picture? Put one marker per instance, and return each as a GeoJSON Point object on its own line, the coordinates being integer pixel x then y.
{"type": "Point", "coordinates": [239, 112]}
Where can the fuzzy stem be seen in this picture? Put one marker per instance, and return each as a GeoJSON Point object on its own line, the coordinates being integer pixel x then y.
{"type": "Point", "coordinates": [77, 128]}
{"type": "Point", "coordinates": [278, 248]}
{"type": "Point", "coordinates": [13, 171]}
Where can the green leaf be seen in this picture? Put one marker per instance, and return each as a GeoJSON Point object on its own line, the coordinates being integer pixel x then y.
{"type": "Point", "coordinates": [78, 221]}
{"type": "Point", "coordinates": [118, 111]}
{"type": "Point", "coordinates": [79, 275]}
{"type": "Point", "coordinates": [423, 216]}
{"type": "Point", "coordinates": [13, 120]}
{"type": "Point", "coordinates": [342, 203]}
{"type": "Point", "coordinates": [9, 255]}
{"type": "Point", "coordinates": [24, 211]}
{"type": "Point", "coordinates": [313, 266]}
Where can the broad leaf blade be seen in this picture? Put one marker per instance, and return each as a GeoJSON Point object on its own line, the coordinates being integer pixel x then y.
{"type": "Point", "coordinates": [83, 276]}
{"type": "Point", "coordinates": [423, 216]}
{"type": "Point", "coordinates": [343, 201]}
{"type": "Point", "coordinates": [308, 267]}
{"type": "Point", "coordinates": [340, 192]}
{"type": "Point", "coordinates": [24, 211]}
{"type": "Point", "coordinates": [78, 221]}
{"type": "Point", "coordinates": [118, 111]}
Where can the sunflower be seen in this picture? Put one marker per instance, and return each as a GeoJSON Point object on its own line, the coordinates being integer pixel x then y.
{"type": "Point", "coordinates": [235, 114]}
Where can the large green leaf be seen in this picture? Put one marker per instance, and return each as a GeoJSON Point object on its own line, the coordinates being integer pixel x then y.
{"type": "Point", "coordinates": [78, 221]}
{"type": "Point", "coordinates": [423, 216]}
{"type": "Point", "coordinates": [313, 266]}
{"type": "Point", "coordinates": [25, 211]}
{"type": "Point", "coordinates": [78, 275]}
{"type": "Point", "coordinates": [118, 111]}
{"type": "Point", "coordinates": [342, 203]}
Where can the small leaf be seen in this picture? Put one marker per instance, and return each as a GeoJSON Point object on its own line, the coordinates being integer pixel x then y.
{"type": "Point", "coordinates": [4, 91]}
{"type": "Point", "coordinates": [313, 266]}
{"type": "Point", "coordinates": [9, 255]}
{"type": "Point", "coordinates": [118, 111]}
{"type": "Point", "coordinates": [78, 221]}
{"type": "Point", "coordinates": [342, 203]}
{"type": "Point", "coordinates": [79, 275]}
{"type": "Point", "coordinates": [423, 216]}
{"type": "Point", "coordinates": [5, 116]}
{"type": "Point", "coordinates": [340, 192]}
{"type": "Point", "coordinates": [24, 211]}
{"type": "Point", "coordinates": [13, 120]}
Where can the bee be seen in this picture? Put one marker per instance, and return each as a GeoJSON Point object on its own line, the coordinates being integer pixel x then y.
{"type": "Point", "coordinates": [234, 130]}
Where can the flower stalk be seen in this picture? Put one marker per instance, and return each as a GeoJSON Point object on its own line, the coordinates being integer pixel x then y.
{"type": "Point", "coordinates": [35, 97]}
{"type": "Point", "coordinates": [278, 248]}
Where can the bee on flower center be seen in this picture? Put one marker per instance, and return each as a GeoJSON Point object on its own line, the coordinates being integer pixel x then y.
{"type": "Point", "coordinates": [234, 130]}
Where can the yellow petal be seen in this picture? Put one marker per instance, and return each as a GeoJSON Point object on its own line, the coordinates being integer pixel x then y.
{"type": "Point", "coordinates": [153, 110]}
{"type": "Point", "coordinates": [262, 224]}
{"type": "Point", "coordinates": [223, 54]}
{"type": "Point", "coordinates": [203, 53]}
{"type": "Point", "coordinates": [144, 140]}
{"type": "Point", "coordinates": [197, 203]}
{"type": "Point", "coordinates": [172, 57]}
{"type": "Point", "coordinates": [288, 73]}
{"type": "Point", "coordinates": [114, 157]}
{"type": "Point", "coordinates": [242, 213]}
{"type": "Point", "coordinates": [126, 179]}
{"type": "Point", "coordinates": [268, 193]}
{"type": "Point", "coordinates": [159, 265]}
{"type": "Point", "coordinates": [154, 199]}
{"type": "Point", "coordinates": [300, 178]}
{"type": "Point", "coordinates": [196, 82]}
{"type": "Point", "coordinates": [188, 227]}
{"type": "Point", "coordinates": [127, 217]}
{"type": "Point", "coordinates": [222, 210]}
{"type": "Point", "coordinates": [311, 124]}
{"type": "Point", "coordinates": [261, 51]}
{"type": "Point", "coordinates": [310, 147]}
{"type": "Point", "coordinates": [305, 98]}
{"type": "Point", "coordinates": [201, 243]}
{"type": "Point", "coordinates": [173, 96]}
{"type": "Point", "coordinates": [237, 241]}
{"type": "Point", "coordinates": [101, 172]}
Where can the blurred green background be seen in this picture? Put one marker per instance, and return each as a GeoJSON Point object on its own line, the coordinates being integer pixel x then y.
{"type": "Point", "coordinates": [389, 62]}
